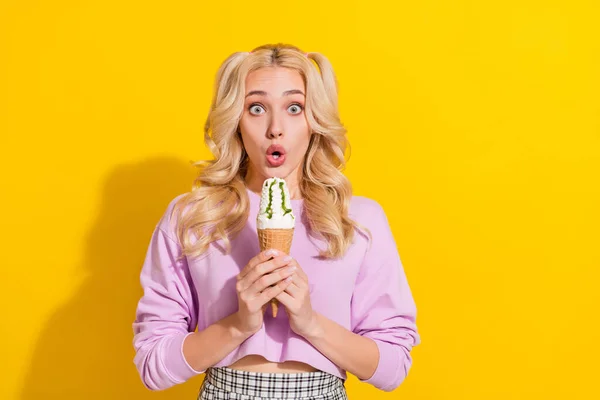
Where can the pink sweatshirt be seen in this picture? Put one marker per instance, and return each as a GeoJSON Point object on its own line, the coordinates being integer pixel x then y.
{"type": "Point", "coordinates": [366, 291]}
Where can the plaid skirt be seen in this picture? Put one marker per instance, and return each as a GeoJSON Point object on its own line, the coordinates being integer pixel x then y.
{"type": "Point", "coordinates": [224, 383]}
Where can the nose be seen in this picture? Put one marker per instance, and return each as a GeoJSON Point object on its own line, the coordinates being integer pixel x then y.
{"type": "Point", "coordinates": [275, 129]}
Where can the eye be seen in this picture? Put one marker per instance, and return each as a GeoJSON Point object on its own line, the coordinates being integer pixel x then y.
{"type": "Point", "coordinates": [254, 107]}
{"type": "Point", "coordinates": [296, 108]}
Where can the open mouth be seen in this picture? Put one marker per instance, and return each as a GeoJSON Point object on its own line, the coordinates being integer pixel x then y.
{"type": "Point", "coordinates": [275, 155]}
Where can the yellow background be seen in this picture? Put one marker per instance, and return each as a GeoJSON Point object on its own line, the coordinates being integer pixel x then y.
{"type": "Point", "coordinates": [475, 124]}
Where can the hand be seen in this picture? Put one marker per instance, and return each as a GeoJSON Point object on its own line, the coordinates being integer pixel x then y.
{"type": "Point", "coordinates": [263, 278]}
{"type": "Point", "coordinates": [296, 299]}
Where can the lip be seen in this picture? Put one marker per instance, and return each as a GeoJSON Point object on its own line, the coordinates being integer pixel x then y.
{"type": "Point", "coordinates": [273, 149]}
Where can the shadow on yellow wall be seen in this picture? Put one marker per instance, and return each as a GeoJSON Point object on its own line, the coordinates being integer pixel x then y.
{"type": "Point", "coordinates": [85, 349]}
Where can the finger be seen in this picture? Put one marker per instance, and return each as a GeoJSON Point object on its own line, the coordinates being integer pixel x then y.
{"type": "Point", "coordinates": [287, 300]}
{"type": "Point", "coordinates": [294, 290]}
{"type": "Point", "coordinates": [271, 279]}
{"type": "Point", "coordinates": [274, 291]}
{"type": "Point", "coordinates": [298, 286]}
{"type": "Point", "coordinates": [302, 279]}
{"type": "Point", "coordinates": [258, 259]}
{"type": "Point", "coordinates": [299, 270]}
{"type": "Point", "coordinates": [261, 269]}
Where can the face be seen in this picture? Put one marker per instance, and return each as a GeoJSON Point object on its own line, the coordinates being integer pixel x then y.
{"type": "Point", "coordinates": [273, 126]}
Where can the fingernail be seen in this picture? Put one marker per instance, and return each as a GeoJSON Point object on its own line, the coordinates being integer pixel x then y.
{"type": "Point", "coordinates": [288, 258]}
{"type": "Point", "coordinates": [271, 252]}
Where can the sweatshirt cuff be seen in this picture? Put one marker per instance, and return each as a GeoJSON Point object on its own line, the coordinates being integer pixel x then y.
{"type": "Point", "coordinates": [175, 362]}
{"type": "Point", "coordinates": [386, 374]}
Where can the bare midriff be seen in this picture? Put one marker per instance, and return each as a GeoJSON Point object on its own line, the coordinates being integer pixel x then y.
{"type": "Point", "coordinates": [256, 363]}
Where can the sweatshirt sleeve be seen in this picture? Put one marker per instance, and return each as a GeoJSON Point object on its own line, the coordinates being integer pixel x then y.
{"type": "Point", "coordinates": [166, 313]}
{"type": "Point", "coordinates": [382, 306]}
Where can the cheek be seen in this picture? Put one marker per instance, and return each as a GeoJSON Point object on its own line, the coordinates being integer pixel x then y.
{"type": "Point", "coordinates": [302, 141]}
{"type": "Point", "coordinates": [251, 135]}
{"type": "Point", "coordinates": [299, 130]}
{"type": "Point", "coordinates": [250, 143]}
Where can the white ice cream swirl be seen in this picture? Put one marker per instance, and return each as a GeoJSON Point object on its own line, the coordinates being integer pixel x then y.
{"type": "Point", "coordinates": [275, 206]}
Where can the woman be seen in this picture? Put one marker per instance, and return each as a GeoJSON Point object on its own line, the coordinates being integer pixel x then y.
{"type": "Point", "coordinates": [348, 306]}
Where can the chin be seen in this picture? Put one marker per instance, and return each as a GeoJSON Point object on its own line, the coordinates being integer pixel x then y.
{"type": "Point", "coordinates": [276, 173]}
{"type": "Point", "coordinates": [281, 172]}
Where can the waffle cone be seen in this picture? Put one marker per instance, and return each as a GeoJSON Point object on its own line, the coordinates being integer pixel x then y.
{"type": "Point", "coordinates": [279, 239]}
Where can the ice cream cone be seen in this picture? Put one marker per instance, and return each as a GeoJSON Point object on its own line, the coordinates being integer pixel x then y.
{"type": "Point", "coordinates": [275, 221]}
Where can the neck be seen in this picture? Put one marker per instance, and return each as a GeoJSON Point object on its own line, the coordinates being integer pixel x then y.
{"type": "Point", "coordinates": [254, 181]}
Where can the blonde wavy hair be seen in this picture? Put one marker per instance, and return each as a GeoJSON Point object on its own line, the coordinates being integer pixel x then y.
{"type": "Point", "coordinates": [217, 208]}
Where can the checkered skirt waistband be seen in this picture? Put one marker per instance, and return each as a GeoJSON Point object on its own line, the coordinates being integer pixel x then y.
{"type": "Point", "coordinates": [276, 385]}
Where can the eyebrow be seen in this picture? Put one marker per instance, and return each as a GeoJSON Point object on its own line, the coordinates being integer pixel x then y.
{"type": "Point", "coordinates": [286, 93]}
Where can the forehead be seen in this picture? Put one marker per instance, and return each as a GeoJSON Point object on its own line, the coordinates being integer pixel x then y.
{"type": "Point", "coordinates": [274, 80]}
